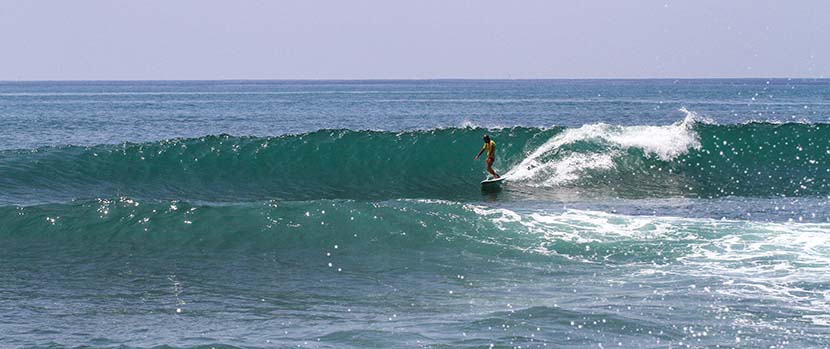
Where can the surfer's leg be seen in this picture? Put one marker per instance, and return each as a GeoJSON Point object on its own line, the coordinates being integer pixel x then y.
{"type": "Point", "coordinates": [490, 167]}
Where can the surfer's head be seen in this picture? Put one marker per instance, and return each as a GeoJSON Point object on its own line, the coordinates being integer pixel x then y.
{"type": "Point", "coordinates": [486, 139]}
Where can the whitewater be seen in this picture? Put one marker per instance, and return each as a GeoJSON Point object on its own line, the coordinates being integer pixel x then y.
{"type": "Point", "coordinates": [348, 214]}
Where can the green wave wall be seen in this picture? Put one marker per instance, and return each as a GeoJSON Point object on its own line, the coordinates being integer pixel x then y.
{"type": "Point", "coordinates": [698, 160]}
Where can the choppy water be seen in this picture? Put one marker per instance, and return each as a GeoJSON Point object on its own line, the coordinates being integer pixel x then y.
{"type": "Point", "coordinates": [334, 214]}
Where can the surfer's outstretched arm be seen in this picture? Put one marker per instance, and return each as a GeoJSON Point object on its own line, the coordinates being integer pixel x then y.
{"type": "Point", "coordinates": [479, 154]}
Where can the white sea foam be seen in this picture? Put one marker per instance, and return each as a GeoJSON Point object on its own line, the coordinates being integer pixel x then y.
{"type": "Point", "coordinates": [591, 226]}
{"type": "Point", "coordinates": [544, 166]}
{"type": "Point", "coordinates": [778, 262]}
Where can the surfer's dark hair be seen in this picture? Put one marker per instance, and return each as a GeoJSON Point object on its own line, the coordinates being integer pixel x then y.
{"type": "Point", "coordinates": [486, 137]}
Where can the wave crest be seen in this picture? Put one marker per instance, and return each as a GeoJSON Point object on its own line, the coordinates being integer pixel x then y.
{"type": "Point", "coordinates": [594, 147]}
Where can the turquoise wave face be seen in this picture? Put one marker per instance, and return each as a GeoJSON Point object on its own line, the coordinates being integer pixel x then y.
{"type": "Point", "coordinates": [688, 159]}
{"type": "Point", "coordinates": [325, 164]}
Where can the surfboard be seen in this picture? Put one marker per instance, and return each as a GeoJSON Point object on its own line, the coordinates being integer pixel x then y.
{"type": "Point", "coordinates": [492, 182]}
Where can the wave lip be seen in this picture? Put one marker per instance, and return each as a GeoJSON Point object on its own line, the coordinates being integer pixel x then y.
{"type": "Point", "coordinates": [594, 147]}
{"type": "Point", "coordinates": [691, 158]}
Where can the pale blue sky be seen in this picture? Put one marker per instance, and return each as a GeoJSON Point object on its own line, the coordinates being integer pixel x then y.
{"type": "Point", "coordinates": [190, 39]}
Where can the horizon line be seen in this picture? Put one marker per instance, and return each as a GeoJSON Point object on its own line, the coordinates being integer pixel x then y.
{"type": "Point", "coordinates": [422, 79]}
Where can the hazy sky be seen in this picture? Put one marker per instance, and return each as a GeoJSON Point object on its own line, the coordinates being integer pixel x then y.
{"type": "Point", "coordinates": [199, 39]}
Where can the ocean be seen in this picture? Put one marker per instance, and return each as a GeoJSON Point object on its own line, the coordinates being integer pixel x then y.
{"type": "Point", "coordinates": [348, 214]}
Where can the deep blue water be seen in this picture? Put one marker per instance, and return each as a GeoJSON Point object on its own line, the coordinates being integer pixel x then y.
{"type": "Point", "coordinates": [332, 214]}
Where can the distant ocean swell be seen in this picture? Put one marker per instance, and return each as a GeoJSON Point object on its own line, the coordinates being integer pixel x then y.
{"type": "Point", "coordinates": [689, 158]}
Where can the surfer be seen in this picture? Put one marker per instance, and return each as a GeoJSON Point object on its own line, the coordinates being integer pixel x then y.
{"type": "Point", "coordinates": [490, 147]}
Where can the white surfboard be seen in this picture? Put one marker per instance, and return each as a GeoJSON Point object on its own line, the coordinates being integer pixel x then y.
{"type": "Point", "coordinates": [492, 181]}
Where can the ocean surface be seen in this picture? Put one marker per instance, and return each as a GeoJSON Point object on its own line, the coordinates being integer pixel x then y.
{"type": "Point", "coordinates": [348, 214]}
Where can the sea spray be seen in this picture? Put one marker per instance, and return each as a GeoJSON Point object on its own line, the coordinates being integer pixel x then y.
{"type": "Point", "coordinates": [562, 160]}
